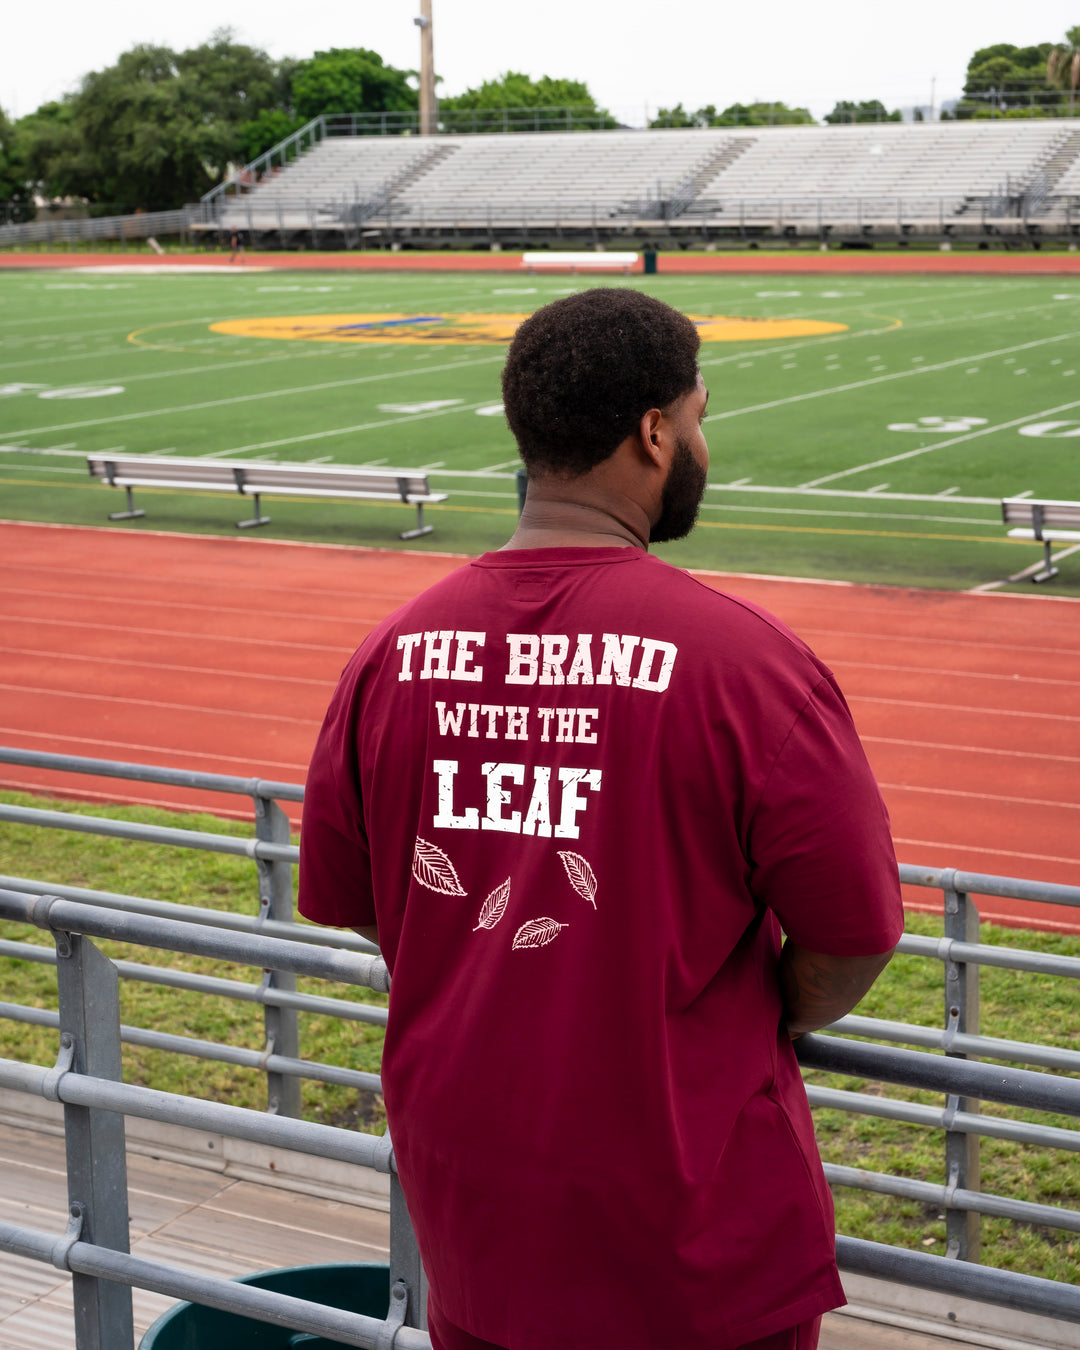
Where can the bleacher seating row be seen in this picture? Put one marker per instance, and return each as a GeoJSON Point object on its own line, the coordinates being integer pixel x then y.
{"type": "Point", "coordinates": [939, 169]}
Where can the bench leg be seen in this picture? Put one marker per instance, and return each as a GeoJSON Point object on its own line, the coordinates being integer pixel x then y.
{"type": "Point", "coordinates": [257, 519]}
{"type": "Point", "coordinates": [130, 513]}
{"type": "Point", "coordinates": [421, 528]}
{"type": "Point", "coordinates": [1048, 570]}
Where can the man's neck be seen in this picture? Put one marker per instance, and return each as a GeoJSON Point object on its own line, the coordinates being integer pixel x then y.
{"type": "Point", "coordinates": [552, 521]}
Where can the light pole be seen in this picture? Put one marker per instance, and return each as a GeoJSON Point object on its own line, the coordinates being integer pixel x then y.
{"type": "Point", "coordinates": [427, 70]}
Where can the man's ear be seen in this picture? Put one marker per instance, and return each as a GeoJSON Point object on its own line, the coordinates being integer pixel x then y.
{"type": "Point", "coordinates": [649, 436]}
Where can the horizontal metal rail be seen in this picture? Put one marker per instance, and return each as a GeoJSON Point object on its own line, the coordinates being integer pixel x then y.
{"type": "Point", "coordinates": [940, 1118]}
{"type": "Point", "coordinates": [153, 773]}
{"type": "Point", "coordinates": [213, 918]}
{"type": "Point", "coordinates": [936, 1073]}
{"type": "Point", "coordinates": [959, 1043]}
{"type": "Point", "coordinates": [150, 834]}
{"type": "Point", "coordinates": [907, 1188]}
{"type": "Point", "coordinates": [263, 1305]}
{"type": "Point", "coordinates": [982, 883]}
{"type": "Point", "coordinates": [247, 949]}
{"type": "Point", "coordinates": [265, 994]}
{"type": "Point", "coordinates": [1001, 1288]}
{"type": "Point", "coordinates": [238, 1122]}
{"type": "Point", "coordinates": [983, 954]}
{"type": "Point", "coordinates": [244, 1058]}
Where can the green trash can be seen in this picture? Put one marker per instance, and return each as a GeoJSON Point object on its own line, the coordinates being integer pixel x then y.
{"type": "Point", "coordinates": [355, 1287]}
{"type": "Point", "coordinates": [649, 256]}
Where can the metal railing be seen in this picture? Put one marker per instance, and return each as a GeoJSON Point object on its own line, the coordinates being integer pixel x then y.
{"type": "Point", "coordinates": [282, 950]}
{"type": "Point", "coordinates": [102, 229]}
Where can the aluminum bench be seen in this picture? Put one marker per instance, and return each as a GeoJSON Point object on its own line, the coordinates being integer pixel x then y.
{"type": "Point", "coordinates": [252, 478]}
{"type": "Point", "coordinates": [579, 261]}
{"type": "Point", "coordinates": [1048, 522]}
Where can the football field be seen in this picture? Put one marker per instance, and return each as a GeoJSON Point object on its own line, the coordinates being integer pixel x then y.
{"type": "Point", "coordinates": [861, 428]}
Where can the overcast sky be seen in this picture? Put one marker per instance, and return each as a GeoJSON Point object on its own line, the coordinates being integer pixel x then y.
{"type": "Point", "coordinates": [632, 56]}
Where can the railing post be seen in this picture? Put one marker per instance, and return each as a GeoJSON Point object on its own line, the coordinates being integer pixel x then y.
{"type": "Point", "coordinates": [962, 1227]}
{"type": "Point", "coordinates": [276, 902]}
{"type": "Point", "coordinates": [94, 1139]}
{"type": "Point", "coordinates": [405, 1264]}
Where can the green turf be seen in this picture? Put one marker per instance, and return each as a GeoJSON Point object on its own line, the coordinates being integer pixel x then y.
{"type": "Point", "coordinates": [784, 413]}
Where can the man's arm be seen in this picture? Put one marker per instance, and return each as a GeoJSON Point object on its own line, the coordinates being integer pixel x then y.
{"type": "Point", "coordinates": [371, 933]}
{"type": "Point", "coordinates": [818, 989]}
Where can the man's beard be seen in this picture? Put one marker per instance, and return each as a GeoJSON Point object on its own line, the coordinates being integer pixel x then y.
{"type": "Point", "coordinates": [681, 497]}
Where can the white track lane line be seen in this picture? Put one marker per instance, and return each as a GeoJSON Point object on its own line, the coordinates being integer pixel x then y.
{"type": "Point", "coordinates": [234, 713]}
{"type": "Point", "coordinates": [969, 749]}
{"type": "Point", "coordinates": [161, 665]}
{"type": "Point", "coordinates": [954, 846]}
{"type": "Point", "coordinates": [959, 708]}
{"type": "Point", "coordinates": [962, 674]}
{"type": "Point", "coordinates": [978, 796]}
{"type": "Point", "coordinates": [126, 601]}
{"type": "Point", "coordinates": [194, 637]}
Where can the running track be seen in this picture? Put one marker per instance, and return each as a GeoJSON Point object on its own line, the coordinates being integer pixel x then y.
{"type": "Point", "coordinates": [220, 654]}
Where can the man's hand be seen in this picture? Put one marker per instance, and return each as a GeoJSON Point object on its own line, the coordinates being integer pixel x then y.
{"type": "Point", "coordinates": [818, 989]}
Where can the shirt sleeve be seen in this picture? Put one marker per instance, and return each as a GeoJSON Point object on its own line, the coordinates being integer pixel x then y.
{"type": "Point", "coordinates": [820, 846]}
{"type": "Point", "coordinates": [335, 860]}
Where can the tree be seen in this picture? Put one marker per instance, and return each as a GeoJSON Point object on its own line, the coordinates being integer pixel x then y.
{"type": "Point", "coordinates": [680, 117]}
{"type": "Point", "coordinates": [156, 129]}
{"type": "Point", "coordinates": [1004, 77]}
{"type": "Point", "coordinates": [515, 90]}
{"type": "Point", "coordinates": [870, 110]}
{"type": "Point", "coordinates": [16, 202]}
{"type": "Point", "coordinates": [262, 133]}
{"type": "Point", "coordinates": [762, 115]}
{"type": "Point", "coordinates": [351, 80]}
{"type": "Point", "coordinates": [1063, 65]}
{"type": "Point", "coordinates": [737, 115]}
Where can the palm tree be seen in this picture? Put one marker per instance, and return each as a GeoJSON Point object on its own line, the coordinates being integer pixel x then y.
{"type": "Point", "coordinates": [1063, 65]}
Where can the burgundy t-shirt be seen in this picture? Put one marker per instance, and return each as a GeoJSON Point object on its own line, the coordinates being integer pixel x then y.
{"type": "Point", "coordinates": [580, 793]}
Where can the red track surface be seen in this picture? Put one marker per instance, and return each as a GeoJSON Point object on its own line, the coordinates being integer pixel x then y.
{"type": "Point", "coordinates": [786, 262]}
{"type": "Point", "coordinates": [221, 654]}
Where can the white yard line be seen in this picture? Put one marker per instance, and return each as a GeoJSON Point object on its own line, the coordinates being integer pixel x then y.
{"type": "Point", "coordinates": [253, 398]}
{"type": "Point", "coordinates": [344, 431]}
{"type": "Point", "coordinates": [942, 445]}
{"type": "Point", "coordinates": [805, 344]}
{"type": "Point", "coordinates": [885, 379]}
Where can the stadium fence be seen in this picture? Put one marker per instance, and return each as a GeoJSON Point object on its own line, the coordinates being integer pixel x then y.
{"type": "Point", "coordinates": [87, 1075]}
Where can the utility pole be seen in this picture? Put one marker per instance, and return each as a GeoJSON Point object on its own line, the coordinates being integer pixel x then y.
{"type": "Point", "coordinates": [427, 70]}
{"type": "Point", "coordinates": [933, 90]}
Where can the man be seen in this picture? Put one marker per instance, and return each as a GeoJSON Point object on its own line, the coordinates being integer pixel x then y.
{"type": "Point", "coordinates": [574, 793]}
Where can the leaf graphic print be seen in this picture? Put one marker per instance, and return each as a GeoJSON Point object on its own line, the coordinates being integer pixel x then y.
{"type": "Point", "coordinates": [433, 869]}
{"type": "Point", "coordinates": [537, 933]}
{"type": "Point", "coordinates": [581, 876]}
{"type": "Point", "coordinates": [494, 906]}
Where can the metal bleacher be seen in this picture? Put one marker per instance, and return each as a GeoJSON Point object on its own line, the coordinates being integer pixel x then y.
{"type": "Point", "coordinates": [922, 177]}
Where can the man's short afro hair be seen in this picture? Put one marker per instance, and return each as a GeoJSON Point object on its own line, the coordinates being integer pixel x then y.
{"type": "Point", "coordinates": [582, 372]}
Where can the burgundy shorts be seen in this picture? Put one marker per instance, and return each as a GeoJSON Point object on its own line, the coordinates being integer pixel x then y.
{"type": "Point", "coordinates": [446, 1336]}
